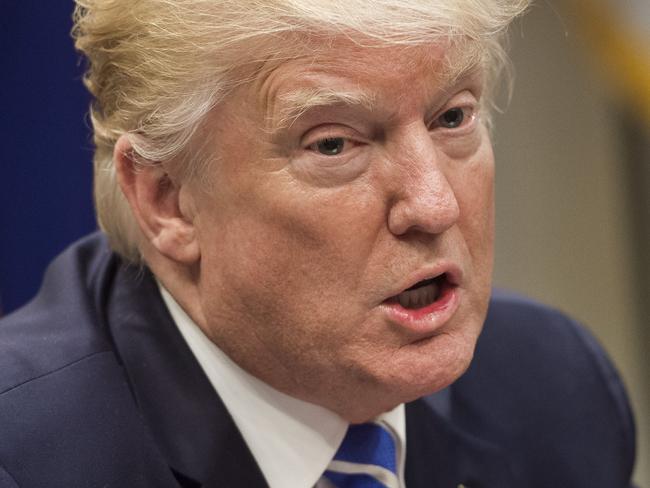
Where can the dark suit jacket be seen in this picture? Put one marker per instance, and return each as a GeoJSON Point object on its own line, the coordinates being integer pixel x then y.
{"type": "Point", "coordinates": [98, 389]}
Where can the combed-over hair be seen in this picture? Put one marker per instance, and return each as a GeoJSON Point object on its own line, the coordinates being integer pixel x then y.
{"type": "Point", "coordinates": [157, 67]}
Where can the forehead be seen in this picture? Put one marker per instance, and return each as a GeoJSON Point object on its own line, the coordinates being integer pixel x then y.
{"type": "Point", "coordinates": [348, 72]}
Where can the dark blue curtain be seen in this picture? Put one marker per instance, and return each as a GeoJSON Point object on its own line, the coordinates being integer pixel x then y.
{"type": "Point", "coordinates": [45, 150]}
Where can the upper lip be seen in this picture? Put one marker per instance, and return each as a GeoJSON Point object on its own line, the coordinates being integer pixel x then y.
{"type": "Point", "coordinates": [453, 275]}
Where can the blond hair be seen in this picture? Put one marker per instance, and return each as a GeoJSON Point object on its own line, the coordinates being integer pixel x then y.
{"type": "Point", "coordinates": [157, 67]}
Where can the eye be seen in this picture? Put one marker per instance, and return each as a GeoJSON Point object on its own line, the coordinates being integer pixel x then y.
{"type": "Point", "coordinates": [330, 146]}
{"type": "Point", "coordinates": [452, 118]}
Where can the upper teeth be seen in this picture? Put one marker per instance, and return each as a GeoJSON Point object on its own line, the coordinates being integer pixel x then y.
{"type": "Point", "coordinates": [419, 297]}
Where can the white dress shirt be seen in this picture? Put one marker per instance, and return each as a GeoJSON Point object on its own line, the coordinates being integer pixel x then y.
{"type": "Point", "coordinates": [292, 441]}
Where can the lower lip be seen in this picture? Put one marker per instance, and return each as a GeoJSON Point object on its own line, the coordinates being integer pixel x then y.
{"type": "Point", "coordinates": [426, 319]}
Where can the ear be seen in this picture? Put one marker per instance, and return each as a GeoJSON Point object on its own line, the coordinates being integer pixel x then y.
{"type": "Point", "coordinates": [155, 202]}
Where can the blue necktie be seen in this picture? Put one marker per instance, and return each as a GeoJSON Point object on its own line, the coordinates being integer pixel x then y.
{"type": "Point", "coordinates": [366, 459]}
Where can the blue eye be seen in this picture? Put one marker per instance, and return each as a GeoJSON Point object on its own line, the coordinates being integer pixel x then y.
{"type": "Point", "coordinates": [452, 118]}
{"type": "Point", "coordinates": [330, 146]}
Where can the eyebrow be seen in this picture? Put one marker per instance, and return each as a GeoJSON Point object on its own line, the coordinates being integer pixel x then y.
{"type": "Point", "coordinates": [289, 107]}
{"type": "Point", "coordinates": [465, 66]}
{"type": "Point", "coordinates": [295, 103]}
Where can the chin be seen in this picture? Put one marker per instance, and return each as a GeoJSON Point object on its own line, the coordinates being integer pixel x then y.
{"type": "Point", "coordinates": [432, 365]}
{"type": "Point", "coordinates": [415, 371]}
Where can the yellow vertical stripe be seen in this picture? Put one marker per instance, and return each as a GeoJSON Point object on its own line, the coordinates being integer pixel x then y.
{"type": "Point", "coordinates": [618, 50]}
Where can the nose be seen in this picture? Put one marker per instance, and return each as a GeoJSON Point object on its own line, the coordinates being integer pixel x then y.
{"type": "Point", "coordinates": [423, 198]}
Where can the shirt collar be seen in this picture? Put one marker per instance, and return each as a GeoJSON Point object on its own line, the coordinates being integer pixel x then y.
{"type": "Point", "coordinates": [291, 440]}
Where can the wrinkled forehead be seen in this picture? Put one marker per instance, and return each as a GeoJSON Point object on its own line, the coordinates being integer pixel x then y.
{"type": "Point", "coordinates": [306, 71]}
{"type": "Point", "coordinates": [449, 57]}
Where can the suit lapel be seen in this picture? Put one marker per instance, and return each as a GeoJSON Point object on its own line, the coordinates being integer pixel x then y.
{"type": "Point", "coordinates": [186, 418]}
{"type": "Point", "coordinates": [440, 455]}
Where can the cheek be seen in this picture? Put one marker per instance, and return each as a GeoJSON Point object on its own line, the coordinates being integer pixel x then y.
{"type": "Point", "coordinates": [475, 194]}
{"type": "Point", "coordinates": [286, 254]}
{"type": "Point", "coordinates": [285, 289]}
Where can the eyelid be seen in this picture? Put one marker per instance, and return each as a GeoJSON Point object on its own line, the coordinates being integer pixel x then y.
{"type": "Point", "coordinates": [465, 101]}
{"type": "Point", "coordinates": [330, 131]}
{"type": "Point", "coordinates": [348, 146]}
{"type": "Point", "coordinates": [464, 98]}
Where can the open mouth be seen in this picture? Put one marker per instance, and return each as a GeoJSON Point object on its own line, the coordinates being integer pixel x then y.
{"type": "Point", "coordinates": [422, 294]}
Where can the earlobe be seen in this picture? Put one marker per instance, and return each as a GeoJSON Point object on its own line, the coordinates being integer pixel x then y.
{"type": "Point", "coordinates": [154, 199]}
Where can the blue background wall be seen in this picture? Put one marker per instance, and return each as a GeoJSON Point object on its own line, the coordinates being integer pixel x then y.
{"type": "Point", "coordinates": [45, 149]}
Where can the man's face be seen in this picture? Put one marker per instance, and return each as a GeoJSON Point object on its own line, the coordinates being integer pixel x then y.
{"type": "Point", "coordinates": [341, 181]}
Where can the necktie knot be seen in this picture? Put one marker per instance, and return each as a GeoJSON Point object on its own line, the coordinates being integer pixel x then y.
{"type": "Point", "coordinates": [366, 459]}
